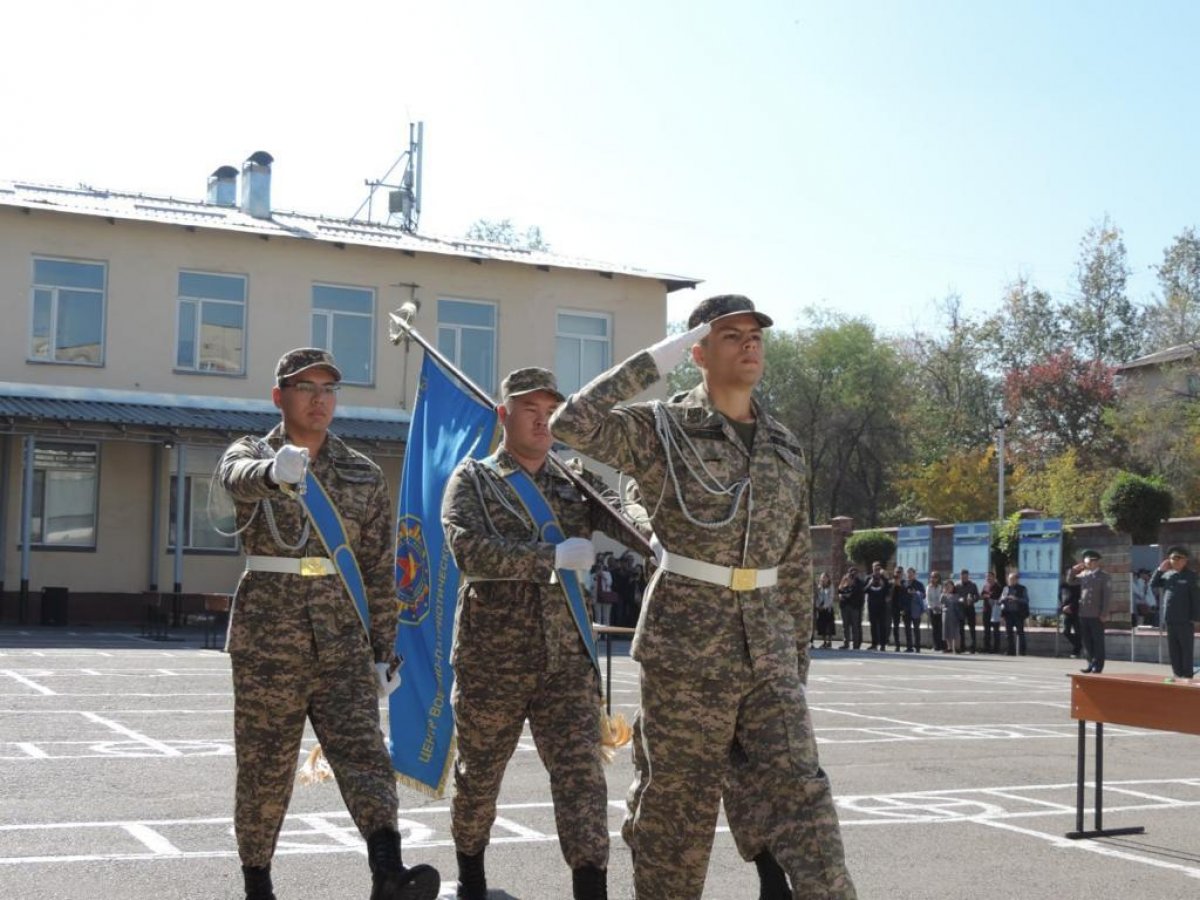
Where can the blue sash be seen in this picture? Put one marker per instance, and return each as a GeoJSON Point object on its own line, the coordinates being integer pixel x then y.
{"type": "Point", "coordinates": [329, 526]}
{"type": "Point", "coordinates": [549, 530]}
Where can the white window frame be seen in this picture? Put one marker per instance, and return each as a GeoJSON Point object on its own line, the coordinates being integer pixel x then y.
{"type": "Point", "coordinates": [180, 298]}
{"type": "Point", "coordinates": [331, 315]}
{"type": "Point", "coordinates": [458, 330]}
{"type": "Point", "coordinates": [41, 543]}
{"type": "Point", "coordinates": [198, 469]}
{"type": "Point", "coordinates": [54, 290]}
{"type": "Point", "coordinates": [559, 334]}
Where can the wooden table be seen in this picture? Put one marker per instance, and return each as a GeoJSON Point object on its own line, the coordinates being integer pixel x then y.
{"type": "Point", "coordinates": [608, 632]}
{"type": "Point", "coordinates": [1144, 701]}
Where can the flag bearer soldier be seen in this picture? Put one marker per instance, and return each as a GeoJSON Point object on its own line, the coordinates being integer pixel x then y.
{"type": "Point", "coordinates": [523, 647]}
{"type": "Point", "coordinates": [313, 636]}
{"type": "Point", "coordinates": [724, 630]}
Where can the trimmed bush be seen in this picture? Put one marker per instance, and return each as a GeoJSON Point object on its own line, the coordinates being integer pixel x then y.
{"type": "Point", "coordinates": [1136, 506]}
{"type": "Point", "coordinates": [866, 547]}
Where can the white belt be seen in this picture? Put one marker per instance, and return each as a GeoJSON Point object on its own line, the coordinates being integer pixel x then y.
{"type": "Point", "coordinates": [726, 576]}
{"type": "Point", "coordinates": [308, 566]}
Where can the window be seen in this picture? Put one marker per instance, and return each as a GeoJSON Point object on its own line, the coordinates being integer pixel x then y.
{"type": "Point", "coordinates": [64, 494]}
{"type": "Point", "coordinates": [582, 348]}
{"type": "Point", "coordinates": [212, 323]}
{"type": "Point", "coordinates": [343, 322]}
{"type": "Point", "coordinates": [466, 336]}
{"type": "Point", "coordinates": [199, 515]}
{"type": "Point", "coordinates": [68, 312]}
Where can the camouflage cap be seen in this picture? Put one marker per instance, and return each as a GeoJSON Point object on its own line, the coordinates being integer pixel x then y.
{"type": "Point", "coordinates": [723, 305]}
{"type": "Point", "coordinates": [301, 360]}
{"type": "Point", "coordinates": [528, 380]}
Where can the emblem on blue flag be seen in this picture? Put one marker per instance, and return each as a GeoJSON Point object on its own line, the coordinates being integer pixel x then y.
{"type": "Point", "coordinates": [412, 570]}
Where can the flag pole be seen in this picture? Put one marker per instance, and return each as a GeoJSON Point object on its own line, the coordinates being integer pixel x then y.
{"type": "Point", "coordinates": [401, 328]}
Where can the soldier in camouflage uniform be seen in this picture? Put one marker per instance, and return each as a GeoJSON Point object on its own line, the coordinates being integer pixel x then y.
{"type": "Point", "coordinates": [723, 634]}
{"type": "Point", "coordinates": [518, 653]}
{"type": "Point", "coordinates": [298, 646]}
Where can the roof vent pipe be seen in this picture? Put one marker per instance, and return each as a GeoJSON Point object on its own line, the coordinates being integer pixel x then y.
{"type": "Point", "coordinates": [222, 186]}
{"type": "Point", "coordinates": [256, 185]}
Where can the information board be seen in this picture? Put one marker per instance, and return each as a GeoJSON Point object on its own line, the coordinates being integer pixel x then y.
{"type": "Point", "coordinates": [914, 549]}
{"type": "Point", "coordinates": [1039, 559]}
{"type": "Point", "coordinates": [972, 549]}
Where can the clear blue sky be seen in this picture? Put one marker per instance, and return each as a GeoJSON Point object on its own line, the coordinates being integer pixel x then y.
{"type": "Point", "coordinates": [868, 157]}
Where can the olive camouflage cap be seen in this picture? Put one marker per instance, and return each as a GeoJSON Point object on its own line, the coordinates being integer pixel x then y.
{"type": "Point", "coordinates": [528, 380]}
{"type": "Point", "coordinates": [302, 359]}
{"type": "Point", "coordinates": [723, 305]}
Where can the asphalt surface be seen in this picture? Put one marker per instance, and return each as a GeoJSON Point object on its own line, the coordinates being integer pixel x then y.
{"type": "Point", "coordinates": [954, 777]}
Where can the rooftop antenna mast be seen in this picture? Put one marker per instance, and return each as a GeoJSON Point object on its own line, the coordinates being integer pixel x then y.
{"type": "Point", "coordinates": [404, 199]}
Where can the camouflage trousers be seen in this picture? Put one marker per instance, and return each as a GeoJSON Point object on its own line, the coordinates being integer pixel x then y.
{"type": "Point", "coordinates": [754, 746]}
{"type": "Point", "coordinates": [275, 688]}
{"type": "Point", "coordinates": [563, 709]}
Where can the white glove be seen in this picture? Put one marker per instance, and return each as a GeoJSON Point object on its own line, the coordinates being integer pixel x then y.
{"type": "Point", "coordinates": [289, 465]}
{"type": "Point", "coordinates": [574, 553]}
{"type": "Point", "coordinates": [657, 547]}
{"type": "Point", "coordinates": [668, 353]}
{"type": "Point", "coordinates": [388, 677]}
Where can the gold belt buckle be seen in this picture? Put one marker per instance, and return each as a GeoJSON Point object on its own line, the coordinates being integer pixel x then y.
{"type": "Point", "coordinates": [743, 579]}
{"type": "Point", "coordinates": [312, 566]}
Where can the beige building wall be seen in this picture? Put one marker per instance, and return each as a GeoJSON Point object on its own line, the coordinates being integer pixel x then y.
{"type": "Point", "coordinates": [143, 262]}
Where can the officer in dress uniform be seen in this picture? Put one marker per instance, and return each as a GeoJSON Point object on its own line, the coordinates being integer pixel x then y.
{"type": "Point", "coordinates": [521, 648]}
{"type": "Point", "coordinates": [300, 647]}
{"type": "Point", "coordinates": [1181, 608]}
{"type": "Point", "coordinates": [1095, 606]}
{"type": "Point", "coordinates": [724, 630]}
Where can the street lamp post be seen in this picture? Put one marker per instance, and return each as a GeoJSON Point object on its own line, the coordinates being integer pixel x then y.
{"type": "Point", "coordinates": [1000, 426]}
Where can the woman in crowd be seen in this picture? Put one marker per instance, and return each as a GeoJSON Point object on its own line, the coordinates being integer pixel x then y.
{"type": "Point", "coordinates": [823, 604]}
{"type": "Point", "coordinates": [933, 600]}
{"type": "Point", "coordinates": [952, 617]}
{"type": "Point", "coordinates": [899, 608]}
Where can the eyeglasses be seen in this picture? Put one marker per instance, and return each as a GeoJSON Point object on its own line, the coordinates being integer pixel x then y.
{"type": "Point", "coordinates": [312, 389]}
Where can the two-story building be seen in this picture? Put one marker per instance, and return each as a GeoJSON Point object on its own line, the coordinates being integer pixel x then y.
{"type": "Point", "coordinates": [142, 338]}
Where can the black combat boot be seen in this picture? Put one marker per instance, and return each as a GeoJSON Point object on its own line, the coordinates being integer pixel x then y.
{"type": "Point", "coordinates": [589, 883]}
{"type": "Point", "coordinates": [772, 882]}
{"type": "Point", "coordinates": [390, 880]}
{"type": "Point", "coordinates": [472, 882]}
{"type": "Point", "coordinates": [258, 882]}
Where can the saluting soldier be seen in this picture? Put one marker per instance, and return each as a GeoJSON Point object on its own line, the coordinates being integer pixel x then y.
{"type": "Point", "coordinates": [725, 625]}
{"type": "Point", "coordinates": [1095, 606]}
{"type": "Point", "coordinates": [1181, 608]}
{"type": "Point", "coordinates": [310, 638]}
{"type": "Point", "coordinates": [522, 646]}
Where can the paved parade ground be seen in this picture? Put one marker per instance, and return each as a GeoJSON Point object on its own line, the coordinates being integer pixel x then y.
{"type": "Point", "coordinates": [954, 777]}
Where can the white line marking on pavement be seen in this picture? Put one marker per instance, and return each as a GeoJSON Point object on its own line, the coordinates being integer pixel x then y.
{"type": "Point", "coordinates": [520, 830]}
{"type": "Point", "coordinates": [31, 750]}
{"type": "Point", "coordinates": [21, 679]}
{"type": "Point", "coordinates": [154, 841]}
{"type": "Point", "coordinates": [162, 748]}
{"type": "Point", "coordinates": [1064, 843]}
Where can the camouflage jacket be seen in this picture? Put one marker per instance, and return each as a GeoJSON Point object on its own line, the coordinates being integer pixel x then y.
{"type": "Point", "coordinates": [319, 608]}
{"type": "Point", "coordinates": [510, 616]}
{"type": "Point", "coordinates": [688, 625]}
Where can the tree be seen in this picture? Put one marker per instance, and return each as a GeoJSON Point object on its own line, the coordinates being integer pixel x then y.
{"type": "Point", "coordinates": [959, 487]}
{"type": "Point", "coordinates": [1105, 326]}
{"type": "Point", "coordinates": [1159, 428]}
{"type": "Point", "coordinates": [866, 547]}
{"type": "Point", "coordinates": [1059, 404]}
{"type": "Point", "coordinates": [1028, 328]}
{"type": "Point", "coordinates": [1175, 317]}
{"type": "Point", "coordinates": [1063, 487]}
{"type": "Point", "coordinates": [1136, 506]}
{"type": "Point", "coordinates": [503, 231]}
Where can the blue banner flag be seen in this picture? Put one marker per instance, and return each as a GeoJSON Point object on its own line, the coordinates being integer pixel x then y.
{"type": "Point", "coordinates": [448, 425]}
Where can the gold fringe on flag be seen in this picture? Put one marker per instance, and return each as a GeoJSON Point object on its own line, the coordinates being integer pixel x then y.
{"type": "Point", "coordinates": [614, 733]}
{"type": "Point", "coordinates": [315, 769]}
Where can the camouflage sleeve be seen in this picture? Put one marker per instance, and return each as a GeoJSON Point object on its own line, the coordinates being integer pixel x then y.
{"type": "Point", "coordinates": [242, 471]}
{"type": "Point", "coordinates": [795, 580]}
{"type": "Point", "coordinates": [479, 552]}
{"type": "Point", "coordinates": [377, 559]}
{"type": "Point", "coordinates": [589, 422]}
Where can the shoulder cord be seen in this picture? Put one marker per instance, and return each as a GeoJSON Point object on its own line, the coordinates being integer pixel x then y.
{"type": "Point", "coordinates": [499, 491]}
{"type": "Point", "coordinates": [675, 442]}
{"type": "Point", "coordinates": [268, 512]}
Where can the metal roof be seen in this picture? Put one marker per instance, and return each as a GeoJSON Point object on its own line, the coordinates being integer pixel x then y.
{"type": "Point", "coordinates": [1160, 357]}
{"type": "Point", "coordinates": [176, 412]}
{"type": "Point", "coordinates": [197, 214]}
